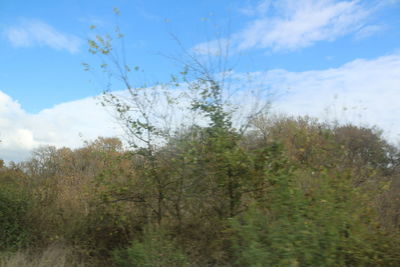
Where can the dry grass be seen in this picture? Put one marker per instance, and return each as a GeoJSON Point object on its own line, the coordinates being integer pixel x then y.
{"type": "Point", "coordinates": [53, 256]}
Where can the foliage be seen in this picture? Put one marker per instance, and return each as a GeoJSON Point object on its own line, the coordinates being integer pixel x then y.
{"type": "Point", "coordinates": [154, 249]}
{"type": "Point", "coordinates": [225, 199]}
{"type": "Point", "coordinates": [14, 216]}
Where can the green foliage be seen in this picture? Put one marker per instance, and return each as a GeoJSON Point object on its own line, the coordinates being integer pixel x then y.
{"type": "Point", "coordinates": [14, 206]}
{"type": "Point", "coordinates": [211, 104]}
{"type": "Point", "coordinates": [327, 226]}
{"type": "Point", "coordinates": [155, 249]}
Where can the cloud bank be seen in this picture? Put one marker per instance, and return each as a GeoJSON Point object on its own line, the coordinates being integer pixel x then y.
{"type": "Point", "coordinates": [67, 124]}
{"type": "Point", "coordinates": [360, 92]}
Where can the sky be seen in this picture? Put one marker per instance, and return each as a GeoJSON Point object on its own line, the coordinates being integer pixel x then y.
{"type": "Point", "coordinates": [329, 59]}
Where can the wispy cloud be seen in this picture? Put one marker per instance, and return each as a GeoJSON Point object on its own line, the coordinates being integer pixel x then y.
{"type": "Point", "coordinates": [214, 48]}
{"type": "Point", "coordinates": [32, 32]}
{"type": "Point", "coordinates": [289, 25]}
{"type": "Point", "coordinates": [300, 24]}
{"type": "Point", "coordinates": [368, 31]}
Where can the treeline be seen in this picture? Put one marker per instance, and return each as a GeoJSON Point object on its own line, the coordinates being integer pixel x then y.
{"type": "Point", "coordinates": [287, 192]}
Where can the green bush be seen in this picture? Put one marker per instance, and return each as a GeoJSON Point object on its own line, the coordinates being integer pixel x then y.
{"type": "Point", "coordinates": [327, 227]}
{"type": "Point", "coordinates": [14, 232]}
{"type": "Point", "coordinates": [154, 249]}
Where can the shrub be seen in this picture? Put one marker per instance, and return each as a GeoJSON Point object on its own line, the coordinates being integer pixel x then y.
{"type": "Point", "coordinates": [154, 249]}
{"type": "Point", "coordinates": [14, 206]}
{"type": "Point", "coordinates": [331, 226]}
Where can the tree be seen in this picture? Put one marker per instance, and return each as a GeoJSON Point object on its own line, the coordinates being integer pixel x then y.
{"type": "Point", "coordinates": [206, 95]}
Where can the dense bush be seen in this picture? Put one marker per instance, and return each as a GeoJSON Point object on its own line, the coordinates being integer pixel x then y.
{"type": "Point", "coordinates": [290, 193]}
{"type": "Point", "coordinates": [14, 213]}
{"type": "Point", "coordinates": [153, 249]}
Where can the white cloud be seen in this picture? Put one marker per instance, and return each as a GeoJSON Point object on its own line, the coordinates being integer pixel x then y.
{"type": "Point", "coordinates": [32, 32]}
{"type": "Point", "coordinates": [70, 124]}
{"type": "Point", "coordinates": [361, 92]}
{"type": "Point", "coordinates": [294, 24]}
{"type": "Point", "coordinates": [67, 124]}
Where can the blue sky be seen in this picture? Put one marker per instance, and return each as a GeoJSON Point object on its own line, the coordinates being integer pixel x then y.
{"type": "Point", "coordinates": [320, 47]}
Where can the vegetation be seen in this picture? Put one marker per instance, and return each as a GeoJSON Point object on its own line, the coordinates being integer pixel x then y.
{"type": "Point", "coordinates": [292, 191]}
{"type": "Point", "coordinates": [282, 191]}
